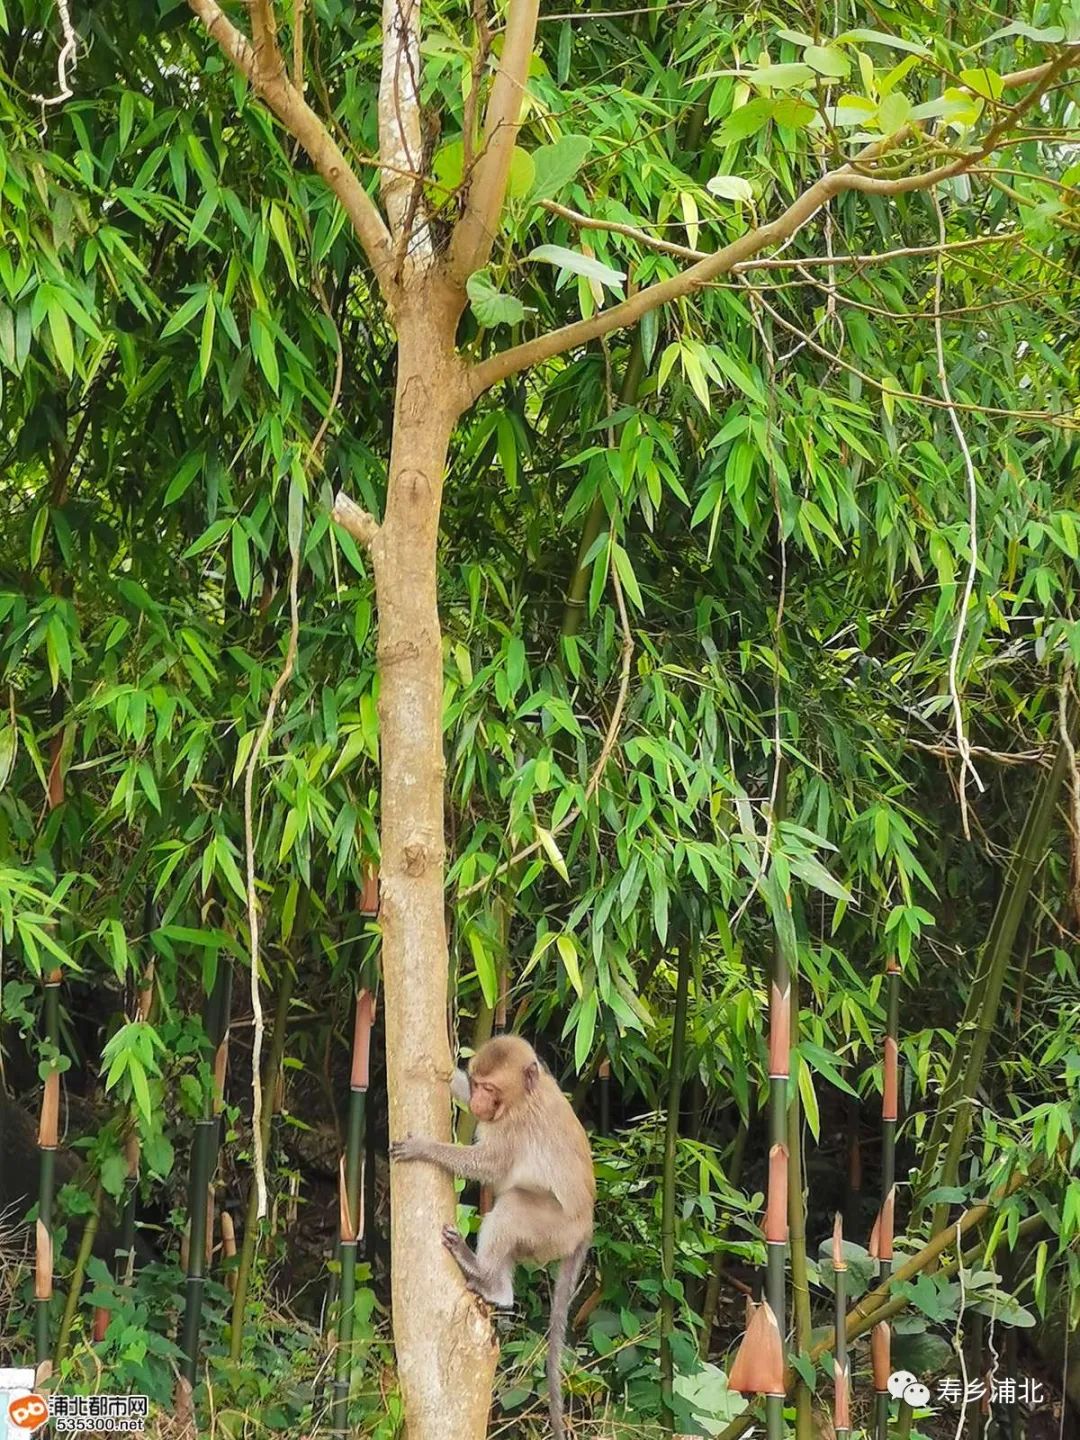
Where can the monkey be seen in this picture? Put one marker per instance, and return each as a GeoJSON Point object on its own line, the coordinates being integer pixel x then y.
{"type": "Point", "coordinates": [531, 1149]}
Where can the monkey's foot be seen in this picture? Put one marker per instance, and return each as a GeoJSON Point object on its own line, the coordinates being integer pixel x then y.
{"type": "Point", "coordinates": [501, 1305]}
{"type": "Point", "coordinates": [454, 1241]}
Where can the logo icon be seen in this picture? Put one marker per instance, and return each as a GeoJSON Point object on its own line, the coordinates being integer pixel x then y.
{"type": "Point", "coordinates": [28, 1412]}
{"type": "Point", "coordinates": [903, 1385]}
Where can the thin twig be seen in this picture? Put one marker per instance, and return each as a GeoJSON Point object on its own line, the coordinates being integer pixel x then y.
{"type": "Point", "coordinates": [259, 1159]}
{"type": "Point", "coordinates": [958, 1336]}
{"type": "Point", "coordinates": [68, 57]}
{"type": "Point", "coordinates": [1001, 757]}
{"type": "Point", "coordinates": [252, 899]}
{"type": "Point", "coordinates": [685, 252]}
{"type": "Point", "coordinates": [967, 766]}
{"type": "Point", "coordinates": [1065, 419]}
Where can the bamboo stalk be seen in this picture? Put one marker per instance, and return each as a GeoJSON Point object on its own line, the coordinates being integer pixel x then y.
{"type": "Point", "coordinates": [881, 1240]}
{"type": "Point", "coordinates": [124, 1255]}
{"type": "Point", "coordinates": [78, 1274]}
{"type": "Point", "coordinates": [604, 1074]}
{"type": "Point", "coordinates": [712, 1290]}
{"type": "Point", "coordinates": [881, 1359]}
{"type": "Point", "coordinates": [242, 1274]}
{"type": "Point", "coordinates": [857, 1322]}
{"type": "Point", "coordinates": [776, 1212]}
{"type": "Point", "coordinates": [350, 1215]}
{"type": "Point", "coordinates": [984, 1000]}
{"type": "Point", "coordinates": [841, 1369]}
{"type": "Point", "coordinates": [800, 1277]}
{"type": "Point", "coordinates": [204, 1146]}
{"type": "Point", "coordinates": [48, 1137]}
{"type": "Point", "coordinates": [668, 1193]}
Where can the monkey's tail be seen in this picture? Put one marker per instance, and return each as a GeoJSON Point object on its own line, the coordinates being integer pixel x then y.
{"type": "Point", "coordinates": [566, 1282]}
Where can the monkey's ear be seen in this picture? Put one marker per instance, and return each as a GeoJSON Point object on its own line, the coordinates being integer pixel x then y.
{"type": "Point", "coordinates": [532, 1076]}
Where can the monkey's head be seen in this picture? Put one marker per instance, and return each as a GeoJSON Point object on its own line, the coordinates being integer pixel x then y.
{"type": "Point", "coordinates": [503, 1073]}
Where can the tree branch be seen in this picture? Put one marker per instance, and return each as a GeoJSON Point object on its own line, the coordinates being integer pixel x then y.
{"type": "Point", "coordinates": [263, 66]}
{"type": "Point", "coordinates": [401, 141]}
{"type": "Point", "coordinates": [357, 522]}
{"type": "Point", "coordinates": [475, 232]}
{"type": "Point", "coordinates": [851, 176]}
{"type": "Point", "coordinates": [684, 252]}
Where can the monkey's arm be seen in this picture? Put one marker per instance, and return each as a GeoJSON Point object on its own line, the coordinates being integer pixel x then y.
{"type": "Point", "coordinates": [471, 1162]}
{"type": "Point", "coordinates": [459, 1088]}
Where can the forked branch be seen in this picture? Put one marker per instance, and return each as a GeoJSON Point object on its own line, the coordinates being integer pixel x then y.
{"type": "Point", "coordinates": [260, 60]}
{"type": "Point", "coordinates": [475, 232]}
{"type": "Point", "coordinates": [852, 176]}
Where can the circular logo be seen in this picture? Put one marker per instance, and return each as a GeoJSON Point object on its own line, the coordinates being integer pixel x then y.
{"type": "Point", "coordinates": [899, 1381]}
{"type": "Point", "coordinates": [28, 1412]}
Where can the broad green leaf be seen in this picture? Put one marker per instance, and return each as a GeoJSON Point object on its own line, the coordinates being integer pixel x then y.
{"type": "Point", "coordinates": [556, 165]}
{"type": "Point", "coordinates": [986, 83]}
{"type": "Point", "coordinates": [747, 120]}
{"type": "Point", "coordinates": [781, 77]}
{"type": "Point", "coordinates": [490, 306]}
{"type": "Point", "coordinates": [578, 264]}
{"type": "Point", "coordinates": [894, 112]}
{"type": "Point", "coordinates": [1046, 35]}
{"type": "Point", "coordinates": [879, 37]}
{"type": "Point", "coordinates": [448, 167]}
{"type": "Point", "coordinates": [522, 173]}
{"type": "Point", "coordinates": [730, 187]}
{"type": "Point", "coordinates": [827, 60]}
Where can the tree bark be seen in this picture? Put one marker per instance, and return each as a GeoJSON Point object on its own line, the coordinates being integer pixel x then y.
{"type": "Point", "coordinates": [445, 1347]}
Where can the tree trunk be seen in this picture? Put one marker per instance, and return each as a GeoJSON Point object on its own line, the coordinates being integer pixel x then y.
{"type": "Point", "coordinates": [446, 1351]}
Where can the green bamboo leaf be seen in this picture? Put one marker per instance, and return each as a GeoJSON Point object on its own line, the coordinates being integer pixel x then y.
{"type": "Point", "coordinates": [554, 854]}
{"type": "Point", "coordinates": [809, 1098]}
{"type": "Point", "coordinates": [569, 957]}
{"type": "Point", "coordinates": [486, 971]}
{"type": "Point", "coordinates": [625, 572]}
{"type": "Point", "coordinates": [241, 559]}
{"type": "Point", "coordinates": [60, 330]}
{"type": "Point", "coordinates": [187, 311]}
{"type": "Point", "coordinates": [586, 1029]}
{"type": "Point", "coordinates": [280, 232]}
{"type": "Point", "coordinates": [206, 341]}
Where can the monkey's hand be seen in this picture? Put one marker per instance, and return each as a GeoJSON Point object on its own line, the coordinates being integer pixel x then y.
{"type": "Point", "coordinates": [410, 1148]}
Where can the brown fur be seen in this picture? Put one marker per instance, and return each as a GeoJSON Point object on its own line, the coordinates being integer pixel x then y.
{"type": "Point", "coordinates": [531, 1150]}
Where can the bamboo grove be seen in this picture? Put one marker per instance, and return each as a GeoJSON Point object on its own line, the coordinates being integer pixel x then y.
{"type": "Point", "coordinates": [555, 521]}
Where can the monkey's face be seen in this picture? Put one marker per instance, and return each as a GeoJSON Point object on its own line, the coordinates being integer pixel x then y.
{"type": "Point", "coordinates": [486, 1100]}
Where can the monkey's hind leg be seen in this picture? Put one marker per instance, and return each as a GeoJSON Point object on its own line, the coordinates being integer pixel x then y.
{"type": "Point", "coordinates": [489, 1273]}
